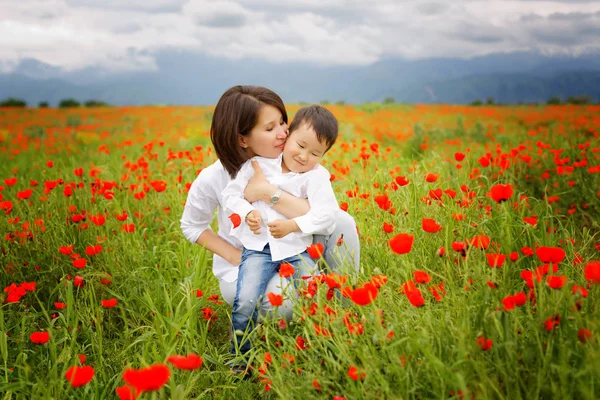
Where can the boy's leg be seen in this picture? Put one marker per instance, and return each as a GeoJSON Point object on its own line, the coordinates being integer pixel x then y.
{"type": "Point", "coordinates": [342, 253]}
{"type": "Point", "coordinates": [255, 270]}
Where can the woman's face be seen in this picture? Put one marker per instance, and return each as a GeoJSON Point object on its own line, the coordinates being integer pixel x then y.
{"type": "Point", "coordinates": [267, 138]}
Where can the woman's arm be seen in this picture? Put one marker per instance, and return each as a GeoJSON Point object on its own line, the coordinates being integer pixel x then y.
{"type": "Point", "coordinates": [213, 243]}
{"type": "Point", "coordinates": [259, 188]}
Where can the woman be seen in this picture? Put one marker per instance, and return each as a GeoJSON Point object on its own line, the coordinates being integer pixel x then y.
{"type": "Point", "coordinates": [251, 121]}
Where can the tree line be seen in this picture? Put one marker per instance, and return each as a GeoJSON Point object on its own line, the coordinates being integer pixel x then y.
{"type": "Point", "coordinates": [65, 103]}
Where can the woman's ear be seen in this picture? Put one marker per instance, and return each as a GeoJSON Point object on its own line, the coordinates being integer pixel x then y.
{"type": "Point", "coordinates": [243, 142]}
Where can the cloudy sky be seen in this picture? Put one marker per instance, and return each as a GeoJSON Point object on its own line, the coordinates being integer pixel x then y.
{"type": "Point", "coordinates": [127, 34]}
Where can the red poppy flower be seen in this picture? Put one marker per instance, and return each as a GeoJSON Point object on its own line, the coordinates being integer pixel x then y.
{"type": "Point", "coordinates": [128, 228]}
{"type": "Point", "coordinates": [592, 272]}
{"type": "Point", "coordinates": [110, 303]}
{"type": "Point", "coordinates": [79, 376]}
{"type": "Point", "coordinates": [10, 181]}
{"type": "Point", "coordinates": [78, 281]}
{"type": "Point", "coordinates": [401, 243]}
{"type": "Point", "coordinates": [66, 250]}
{"type": "Point", "coordinates": [25, 194]}
{"type": "Point", "coordinates": [484, 343]}
{"type": "Point", "coordinates": [189, 362]}
{"type": "Point", "coordinates": [552, 322]}
{"type": "Point", "coordinates": [59, 305]}
{"type": "Point", "coordinates": [365, 294]}
{"type": "Point", "coordinates": [315, 250]}
{"type": "Point", "coordinates": [579, 289]}
{"type": "Point", "coordinates": [208, 313]}
{"type": "Point", "coordinates": [388, 228]}
{"type": "Point", "coordinates": [550, 254]}
{"type": "Point", "coordinates": [39, 337]}
{"type": "Point", "coordinates": [401, 181]}
{"type": "Point", "coordinates": [421, 276]}
{"type": "Point", "coordinates": [514, 256]}
{"type": "Point", "coordinates": [383, 202]}
{"type": "Point", "coordinates": [584, 335]}
{"type": "Point", "coordinates": [415, 297]}
{"type": "Point", "coordinates": [495, 260]}
{"type": "Point", "coordinates": [355, 375]}
{"type": "Point", "coordinates": [556, 281]}
{"type": "Point", "coordinates": [80, 263]}
{"type": "Point", "coordinates": [527, 251]}
{"type": "Point", "coordinates": [480, 241]}
{"type": "Point", "coordinates": [147, 379]}
{"type": "Point", "coordinates": [459, 156]}
{"type": "Point", "coordinates": [126, 393]}
{"type": "Point", "coordinates": [501, 192]}
{"type": "Point", "coordinates": [431, 177]}
{"type": "Point", "coordinates": [286, 270]}
{"type": "Point", "coordinates": [276, 300]}
{"type": "Point", "coordinates": [235, 219]}
{"type": "Point", "coordinates": [430, 225]}
{"type": "Point", "coordinates": [436, 194]}
{"type": "Point", "coordinates": [510, 302]}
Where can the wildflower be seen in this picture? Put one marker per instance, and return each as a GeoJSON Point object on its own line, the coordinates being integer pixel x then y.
{"type": "Point", "coordinates": [110, 303]}
{"type": "Point", "coordinates": [79, 376]}
{"type": "Point", "coordinates": [480, 241]}
{"type": "Point", "coordinates": [556, 281]}
{"type": "Point", "coordinates": [550, 254]}
{"type": "Point", "coordinates": [500, 193]}
{"type": "Point", "coordinates": [430, 225]}
{"type": "Point", "coordinates": [147, 379]}
{"type": "Point", "coordinates": [592, 272]}
{"type": "Point", "coordinates": [355, 375]}
{"type": "Point", "coordinates": [315, 250]}
{"type": "Point", "coordinates": [401, 243]}
{"type": "Point", "coordinates": [552, 322]}
{"type": "Point", "coordinates": [484, 343]}
{"type": "Point", "coordinates": [235, 219]}
{"type": "Point", "coordinates": [127, 393]}
{"type": "Point", "coordinates": [39, 337]}
{"type": "Point", "coordinates": [276, 300]}
{"type": "Point", "coordinates": [584, 335]}
{"type": "Point", "coordinates": [286, 270]}
{"type": "Point", "coordinates": [495, 260]}
{"type": "Point", "coordinates": [421, 276]}
{"type": "Point", "coordinates": [431, 177]}
{"type": "Point", "coordinates": [189, 362]}
{"type": "Point", "coordinates": [365, 294]}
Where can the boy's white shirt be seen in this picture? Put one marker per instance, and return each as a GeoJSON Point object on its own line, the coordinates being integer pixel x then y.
{"type": "Point", "coordinates": [313, 185]}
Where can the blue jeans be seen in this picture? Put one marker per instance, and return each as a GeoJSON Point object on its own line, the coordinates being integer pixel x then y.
{"type": "Point", "coordinates": [255, 271]}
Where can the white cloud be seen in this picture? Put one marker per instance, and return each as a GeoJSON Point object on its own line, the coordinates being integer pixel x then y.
{"type": "Point", "coordinates": [122, 35]}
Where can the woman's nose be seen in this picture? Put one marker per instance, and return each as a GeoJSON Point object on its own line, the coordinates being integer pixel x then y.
{"type": "Point", "coordinates": [282, 132]}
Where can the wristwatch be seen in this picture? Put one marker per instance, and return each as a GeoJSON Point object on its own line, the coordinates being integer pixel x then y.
{"type": "Point", "coordinates": [275, 197]}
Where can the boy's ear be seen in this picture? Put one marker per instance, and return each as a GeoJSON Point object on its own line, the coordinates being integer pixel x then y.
{"type": "Point", "coordinates": [243, 141]}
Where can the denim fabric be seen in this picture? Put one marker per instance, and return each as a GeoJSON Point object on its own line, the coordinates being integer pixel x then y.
{"type": "Point", "coordinates": [255, 271]}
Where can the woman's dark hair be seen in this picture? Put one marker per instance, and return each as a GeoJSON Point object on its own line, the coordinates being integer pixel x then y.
{"type": "Point", "coordinates": [236, 114]}
{"type": "Point", "coordinates": [321, 120]}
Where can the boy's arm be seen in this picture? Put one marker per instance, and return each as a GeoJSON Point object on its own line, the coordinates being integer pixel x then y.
{"type": "Point", "coordinates": [323, 205]}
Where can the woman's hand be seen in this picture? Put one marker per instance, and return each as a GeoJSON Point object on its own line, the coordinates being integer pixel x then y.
{"type": "Point", "coordinates": [258, 187]}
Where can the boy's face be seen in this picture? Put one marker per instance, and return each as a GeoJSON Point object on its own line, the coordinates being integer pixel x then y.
{"type": "Point", "coordinates": [303, 151]}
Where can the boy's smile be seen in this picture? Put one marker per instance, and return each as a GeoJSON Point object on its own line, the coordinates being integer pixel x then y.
{"type": "Point", "coordinates": [302, 151]}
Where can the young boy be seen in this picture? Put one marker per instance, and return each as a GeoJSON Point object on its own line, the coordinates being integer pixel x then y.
{"type": "Point", "coordinates": [297, 171]}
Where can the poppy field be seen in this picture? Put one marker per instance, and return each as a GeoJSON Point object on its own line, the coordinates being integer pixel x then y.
{"type": "Point", "coordinates": [480, 260]}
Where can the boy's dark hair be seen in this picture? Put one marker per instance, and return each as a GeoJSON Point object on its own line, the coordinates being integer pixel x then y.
{"type": "Point", "coordinates": [236, 114]}
{"type": "Point", "coordinates": [321, 120]}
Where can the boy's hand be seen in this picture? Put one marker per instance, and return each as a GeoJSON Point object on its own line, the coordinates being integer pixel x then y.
{"type": "Point", "coordinates": [282, 227]}
{"type": "Point", "coordinates": [253, 219]}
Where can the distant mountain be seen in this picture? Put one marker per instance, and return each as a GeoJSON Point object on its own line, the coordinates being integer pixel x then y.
{"type": "Point", "coordinates": [184, 78]}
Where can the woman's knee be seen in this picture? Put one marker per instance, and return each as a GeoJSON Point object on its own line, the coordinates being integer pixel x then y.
{"type": "Point", "coordinates": [343, 246]}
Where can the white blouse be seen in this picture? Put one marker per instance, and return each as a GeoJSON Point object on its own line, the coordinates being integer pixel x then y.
{"type": "Point", "coordinates": [204, 197]}
{"type": "Point", "coordinates": [313, 185]}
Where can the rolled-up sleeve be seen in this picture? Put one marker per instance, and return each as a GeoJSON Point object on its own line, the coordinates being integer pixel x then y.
{"type": "Point", "coordinates": [199, 208]}
{"type": "Point", "coordinates": [323, 205]}
{"type": "Point", "coordinates": [233, 195]}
